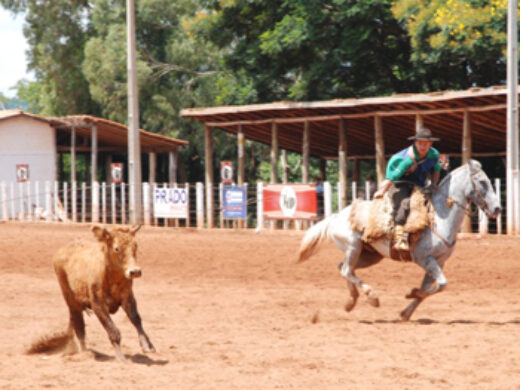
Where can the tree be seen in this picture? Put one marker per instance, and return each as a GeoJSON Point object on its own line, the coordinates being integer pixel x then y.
{"type": "Point", "coordinates": [308, 49]}
{"type": "Point", "coordinates": [456, 43]}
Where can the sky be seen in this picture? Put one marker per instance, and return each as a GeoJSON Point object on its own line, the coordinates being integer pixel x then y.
{"type": "Point", "coordinates": [12, 59]}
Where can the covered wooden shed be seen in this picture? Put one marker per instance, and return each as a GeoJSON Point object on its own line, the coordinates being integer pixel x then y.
{"type": "Point", "coordinates": [470, 123]}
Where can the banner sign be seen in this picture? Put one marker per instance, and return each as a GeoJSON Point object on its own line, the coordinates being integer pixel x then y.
{"type": "Point", "coordinates": [226, 172]}
{"type": "Point", "coordinates": [234, 202]}
{"type": "Point", "coordinates": [22, 172]}
{"type": "Point", "coordinates": [116, 170]}
{"type": "Point", "coordinates": [290, 201]}
{"type": "Point", "coordinates": [170, 203]}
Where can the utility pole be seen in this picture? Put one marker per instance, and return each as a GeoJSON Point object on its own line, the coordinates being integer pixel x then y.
{"type": "Point", "coordinates": [512, 179]}
{"type": "Point", "coordinates": [134, 145]}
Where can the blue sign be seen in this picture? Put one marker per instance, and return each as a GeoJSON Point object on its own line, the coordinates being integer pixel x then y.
{"type": "Point", "coordinates": [234, 202]}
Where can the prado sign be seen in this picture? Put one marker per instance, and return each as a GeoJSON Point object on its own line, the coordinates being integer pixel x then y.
{"type": "Point", "coordinates": [170, 203]}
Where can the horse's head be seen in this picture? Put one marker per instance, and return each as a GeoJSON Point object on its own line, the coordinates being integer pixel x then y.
{"type": "Point", "coordinates": [481, 191]}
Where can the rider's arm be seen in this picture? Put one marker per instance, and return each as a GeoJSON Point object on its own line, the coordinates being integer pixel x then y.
{"type": "Point", "coordinates": [435, 177]}
{"type": "Point", "coordinates": [384, 187]}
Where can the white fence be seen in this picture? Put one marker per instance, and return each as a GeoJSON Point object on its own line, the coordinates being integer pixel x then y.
{"type": "Point", "coordinates": [108, 203]}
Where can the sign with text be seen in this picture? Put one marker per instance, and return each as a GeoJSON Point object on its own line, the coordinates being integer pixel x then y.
{"type": "Point", "coordinates": [226, 172]}
{"type": "Point", "coordinates": [170, 203]}
{"type": "Point", "coordinates": [22, 172]}
{"type": "Point", "coordinates": [234, 202]}
{"type": "Point", "coordinates": [290, 201]}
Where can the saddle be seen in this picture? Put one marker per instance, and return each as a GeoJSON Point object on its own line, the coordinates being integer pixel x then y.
{"type": "Point", "coordinates": [374, 219]}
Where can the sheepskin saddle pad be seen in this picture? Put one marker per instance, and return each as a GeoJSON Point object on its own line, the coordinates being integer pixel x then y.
{"type": "Point", "coordinates": [374, 218]}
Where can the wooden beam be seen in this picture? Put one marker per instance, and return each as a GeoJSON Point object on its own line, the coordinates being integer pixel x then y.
{"type": "Point", "coordinates": [152, 167]}
{"type": "Point", "coordinates": [342, 162]}
{"type": "Point", "coordinates": [73, 155]}
{"type": "Point", "coordinates": [466, 156]}
{"type": "Point", "coordinates": [94, 153]}
{"type": "Point", "coordinates": [241, 146]}
{"type": "Point", "coordinates": [274, 153]}
{"type": "Point", "coordinates": [172, 167]}
{"type": "Point", "coordinates": [208, 144]}
{"type": "Point", "coordinates": [380, 149]}
{"type": "Point", "coordinates": [367, 114]}
{"type": "Point", "coordinates": [306, 152]}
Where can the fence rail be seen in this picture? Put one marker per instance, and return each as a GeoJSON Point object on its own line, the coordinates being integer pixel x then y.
{"type": "Point", "coordinates": [108, 204]}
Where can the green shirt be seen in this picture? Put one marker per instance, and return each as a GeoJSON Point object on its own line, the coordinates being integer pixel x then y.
{"type": "Point", "coordinates": [399, 166]}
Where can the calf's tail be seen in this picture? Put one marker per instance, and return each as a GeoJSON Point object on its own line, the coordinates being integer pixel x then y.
{"type": "Point", "coordinates": [314, 237]}
{"type": "Point", "coordinates": [53, 343]}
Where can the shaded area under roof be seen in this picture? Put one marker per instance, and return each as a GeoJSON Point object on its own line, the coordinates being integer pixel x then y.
{"type": "Point", "coordinates": [442, 112]}
{"type": "Point", "coordinates": [112, 136]}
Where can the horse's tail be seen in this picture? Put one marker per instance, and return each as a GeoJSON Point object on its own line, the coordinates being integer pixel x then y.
{"type": "Point", "coordinates": [314, 237]}
{"type": "Point", "coordinates": [52, 343]}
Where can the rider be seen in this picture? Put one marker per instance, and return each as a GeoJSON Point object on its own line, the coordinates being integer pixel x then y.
{"type": "Point", "coordinates": [406, 169]}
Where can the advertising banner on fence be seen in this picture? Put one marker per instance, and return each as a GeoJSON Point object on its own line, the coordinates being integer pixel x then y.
{"type": "Point", "coordinates": [234, 202]}
{"type": "Point", "coordinates": [170, 203]}
{"type": "Point", "coordinates": [290, 201]}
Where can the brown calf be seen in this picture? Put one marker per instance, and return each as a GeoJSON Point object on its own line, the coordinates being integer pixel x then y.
{"type": "Point", "coordinates": [98, 276]}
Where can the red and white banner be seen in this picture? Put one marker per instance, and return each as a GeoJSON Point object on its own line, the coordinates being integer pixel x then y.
{"type": "Point", "coordinates": [290, 201]}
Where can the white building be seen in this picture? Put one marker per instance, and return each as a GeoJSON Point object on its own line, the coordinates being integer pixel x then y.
{"type": "Point", "coordinates": [30, 146]}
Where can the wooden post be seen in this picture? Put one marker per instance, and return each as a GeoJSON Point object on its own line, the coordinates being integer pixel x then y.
{"type": "Point", "coordinates": [83, 202]}
{"type": "Point", "coordinates": [285, 167]}
{"type": "Point", "coordinates": [419, 123]}
{"type": "Point", "coordinates": [274, 153]}
{"type": "Point", "coordinates": [380, 150]}
{"type": "Point", "coordinates": [93, 154]}
{"type": "Point", "coordinates": [199, 204]}
{"type": "Point", "coordinates": [466, 156]}
{"type": "Point", "coordinates": [73, 154]}
{"type": "Point", "coordinates": [306, 152]}
{"type": "Point", "coordinates": [113, 202]}
{"type": "Point", "coordinates": [342, 162]}
{"type": "Point", "coordinates": [108, 168]}
{"type": "Point", "coordinates": [208, 141]}
{"type": "Point", "coordinates": [241, 143]}
{"type": "Point", "coordinates": [152, 167]}
{"type": "Point", "coordinates": [172, 167]}
{"type": "Point", "coordinates": [355, 174]}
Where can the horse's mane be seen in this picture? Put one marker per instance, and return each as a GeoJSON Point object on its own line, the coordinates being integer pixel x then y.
{"type": "Point", "coordinates": [456, 171]}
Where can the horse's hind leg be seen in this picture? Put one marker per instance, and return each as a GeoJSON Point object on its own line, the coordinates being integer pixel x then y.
{"type": "Point", "coordinates": [354, 295]}
{"type": "Point", "coordinates": [347, 271]}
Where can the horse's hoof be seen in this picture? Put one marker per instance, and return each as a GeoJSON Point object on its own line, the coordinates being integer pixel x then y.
{"type": "Point", "coordinates": [404, 316]}
{"type": "Point", "coordinates": [351, 303]}
{"type": "Point", "coordinates": [413, 294]}
{"type": "Point", "coordinates": [373, 301]}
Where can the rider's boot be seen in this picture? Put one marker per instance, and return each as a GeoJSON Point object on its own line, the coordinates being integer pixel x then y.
{"type": "Point", "coordinates": [400, 238]}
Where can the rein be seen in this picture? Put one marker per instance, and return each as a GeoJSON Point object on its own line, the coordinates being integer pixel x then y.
{"type": "Point", "coordinates": [450, 201]}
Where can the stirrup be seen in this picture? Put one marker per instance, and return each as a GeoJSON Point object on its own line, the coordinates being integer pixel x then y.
{"type": "Point", "coordinates": [401, 245]}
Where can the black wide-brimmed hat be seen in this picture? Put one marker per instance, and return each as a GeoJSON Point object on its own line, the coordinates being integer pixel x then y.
{"type": "Point", "coordinates": [424, 134]}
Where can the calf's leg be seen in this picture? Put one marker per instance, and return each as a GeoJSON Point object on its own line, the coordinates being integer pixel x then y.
{"type": "Point", "coordinates": [113, 333]}
{"type": "Point", "coordinates": [130, 307]}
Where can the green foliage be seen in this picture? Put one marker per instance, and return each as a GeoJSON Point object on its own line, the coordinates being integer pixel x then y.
{"type": "Point", "coordinates": [194, 53]}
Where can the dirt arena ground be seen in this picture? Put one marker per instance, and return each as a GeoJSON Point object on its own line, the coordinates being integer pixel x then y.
{"type": "Point", "coordinates": [233, 310]}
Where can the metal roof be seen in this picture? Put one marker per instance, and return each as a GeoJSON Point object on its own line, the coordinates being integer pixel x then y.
{"type": "Point", "coordinates": [442, 112]}
{"type": "Point", "coordinates": [112, 136]}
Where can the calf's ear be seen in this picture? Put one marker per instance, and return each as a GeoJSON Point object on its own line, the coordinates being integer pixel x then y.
{"type": "Point", "coordinates": [101, 233]}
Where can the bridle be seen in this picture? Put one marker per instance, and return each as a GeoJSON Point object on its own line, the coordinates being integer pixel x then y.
{"type": "Point", "coordinates": [480, 202]}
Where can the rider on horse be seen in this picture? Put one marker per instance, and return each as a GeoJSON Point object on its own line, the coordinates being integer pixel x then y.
{"type": "Point", "coordinates": [405, 170]}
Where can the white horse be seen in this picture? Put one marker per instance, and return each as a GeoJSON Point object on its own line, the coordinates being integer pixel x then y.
{"type": "Point", "coordinates": [435, 244]}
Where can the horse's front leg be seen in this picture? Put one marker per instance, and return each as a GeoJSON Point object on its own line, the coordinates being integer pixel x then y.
{"type": "Point", "coordinates": [347, 271]}
{"type": "Point", "coordinates": [434, 270]}
{"type": "Point", "coordinates": [409, 310]}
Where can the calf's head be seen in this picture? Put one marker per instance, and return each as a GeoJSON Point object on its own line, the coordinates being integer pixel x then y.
{"type": "Point", "coordinates": [121, 248]}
